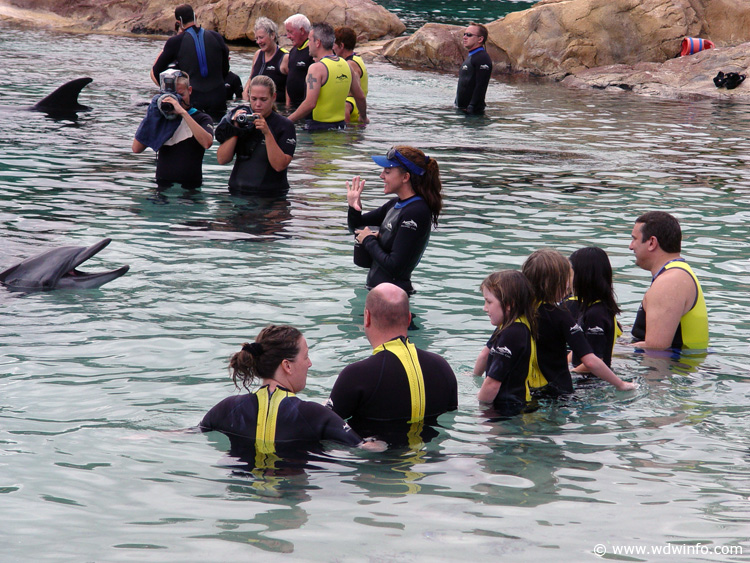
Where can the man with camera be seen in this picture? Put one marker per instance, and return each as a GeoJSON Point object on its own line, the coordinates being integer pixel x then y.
{"type": "Point", "coordinates": [263, 141]}
{"type": "Point", "coordinates": [179, 133]}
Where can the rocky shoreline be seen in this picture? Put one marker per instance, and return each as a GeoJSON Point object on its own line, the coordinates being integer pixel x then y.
{"type": "Point", "coordinates": [622, 45]}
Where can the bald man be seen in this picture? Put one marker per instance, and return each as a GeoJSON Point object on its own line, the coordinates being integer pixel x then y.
{"type": "Point", "coordinates": [398, 382]}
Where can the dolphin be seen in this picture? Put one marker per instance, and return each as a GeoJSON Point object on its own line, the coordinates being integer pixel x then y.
{"type": "Point", "coordinates": [56, 269]}
{"type": "Point", "coordinates": [65, 98]}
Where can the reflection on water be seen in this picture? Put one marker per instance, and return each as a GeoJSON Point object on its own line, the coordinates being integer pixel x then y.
{"type": "Point", "coordinates": [92, 380]}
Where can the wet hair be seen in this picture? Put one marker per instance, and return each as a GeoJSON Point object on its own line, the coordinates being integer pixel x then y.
{"type": "Point", "coordinates": [260, 359]}
{"type": "Point", "coordinates": [183, 79]}
{"type": "Point", "coordinates": [548, 271]}
{"type": "Point", "coordinates": [266, 25]}
{"type": "Point", "coordinates": [663, 226]}
{"type": "Point", "coordinates": [184, 14]}
{"type": "Point", "coordinates": [324, 33]}
{"type": "Point", "coordinates": [592, 279]}
{"type": "Point", "coordinates": [347, 37]}
{"type": "Point", "coordinates": [388, 313]}
{"type": "Point", "coordinates": [428, 186]}
{"type": "Point", "coordinates": [482, 31]}
{"type": "Point", "coordinates": [515, 294]}
{"type": "Point", "coordinates": [299, 21]}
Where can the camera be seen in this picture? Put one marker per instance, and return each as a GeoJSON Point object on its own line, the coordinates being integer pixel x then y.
{"type": "Point", "coordinates": [244, 119]}
{"type": "Point", "coordinates": [168, 80]}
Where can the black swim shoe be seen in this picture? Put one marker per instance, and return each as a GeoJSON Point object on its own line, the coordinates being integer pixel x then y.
{"type": "Point", "coordinates": [720, 79]}
{"type": "Point", "coordinates": [733, 79]}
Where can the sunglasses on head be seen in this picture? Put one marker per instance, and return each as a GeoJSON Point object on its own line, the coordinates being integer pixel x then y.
{"type": "Point", "coordinates": [393, 154]}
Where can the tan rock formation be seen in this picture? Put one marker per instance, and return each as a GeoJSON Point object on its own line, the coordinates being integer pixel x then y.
{"type": "Point", "coordinates": [557, 37]}
{"type": "Point", "coordinates": [232, 18]}
{"type": "Point", "coordinates": [684, 77]}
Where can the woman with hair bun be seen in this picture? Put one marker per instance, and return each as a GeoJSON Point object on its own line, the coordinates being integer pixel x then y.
{"type": "Point", "coordinates": [273, 414]}
{"type": "Point", "coordinates": [405, 221]}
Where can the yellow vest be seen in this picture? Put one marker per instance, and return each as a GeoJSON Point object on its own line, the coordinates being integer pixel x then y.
{"type": "Point", "coordinates": [332, 97]}
{"type": "Point", "coordinates": [534, 377]}
{"type": "Point", "coordinates": [694, 323]}
{"type": "Point", "coordinates": [406, 353]}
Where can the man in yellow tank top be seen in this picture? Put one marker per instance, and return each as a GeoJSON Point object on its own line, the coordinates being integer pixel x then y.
{"type": "Point", "coordinates": [356, 102]}
{"type": "Point", "coordinates": [673, 312]}
{"type": "Point", "coordinates": [328, 83]}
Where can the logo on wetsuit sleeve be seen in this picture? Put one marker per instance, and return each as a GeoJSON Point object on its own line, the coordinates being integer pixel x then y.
{"type": "Point", "coordinates": [292, 142]}
{"type": "Point", "coordinates": [501, 351]}
{"type": "Point", "coordinates": [595, 330]}
{"type": "Point", "coordinates": [575, 328]}
{"type": "Point", "coordinates": [484, 67]}
{"type": "Point", "coordinates": [410, 224]}
{"type": "Point", "coordinates": [465, 67]}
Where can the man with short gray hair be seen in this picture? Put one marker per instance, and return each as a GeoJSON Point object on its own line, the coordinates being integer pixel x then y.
{"type": "Point", "coordinates": [296, 65]}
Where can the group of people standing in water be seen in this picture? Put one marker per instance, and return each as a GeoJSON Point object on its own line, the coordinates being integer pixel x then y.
{"type": "Point", "coordinates": [553, 313]}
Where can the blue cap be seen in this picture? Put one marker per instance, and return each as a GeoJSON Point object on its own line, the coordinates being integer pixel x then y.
{"type": "Point", "coordinates": [394, 159]}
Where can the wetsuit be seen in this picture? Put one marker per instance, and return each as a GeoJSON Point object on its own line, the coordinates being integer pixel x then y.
{"type": "Point", "coordinates": [296, 81]}
{"type": "Point", "coordinates": [272, 69]}
{"type": "Point", "coordinates": [182, 162]}
{"type": "Point", "coordinates": [692, 332]}
{"type": "Point", "coordinates": [510, 362]}
{"type": "Point", "coordinates": [295, 420]}
{"type": "Point", "coordinates": [252, 172]}
{"type": "Point", "coordinates": [600, 327]}
{"type": "Point", "coordinates": [396, 251]}
{"type": "Point", "coordinates": [233, 86]}
{"type": "Point", "coordinates": [363, 82]}
{"type": "Point", "coordinates": [380, 388]}
{"type": "Point", "coordinates": [556, 331]}
{"type": "Point", "coordinates": [209, 92]}
{"type": "Point", "coordinates": [473, 79]}
{"type": "Point", "coordinates": [330, 109]}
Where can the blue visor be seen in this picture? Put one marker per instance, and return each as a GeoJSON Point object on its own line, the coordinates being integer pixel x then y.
{"type": "Point", "coordinates": [394, 159]}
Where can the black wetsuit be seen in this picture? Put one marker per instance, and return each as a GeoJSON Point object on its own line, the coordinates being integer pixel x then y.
{"type": "Point", "coordinates": [508, 363]}
{"type": "Point", "coordinates": [556, 331]}
{"type": "Point", "coordinates": [209, 92]}
{"type": "Point", "coordinates": [272, 69]}
{"type": "Point", "coordinates": [233, 85]}
{"type": "Point", "coordinates": [404, 232]}
{"type": "Point", "coordinates": [473, 79]}
{"type": "Point", "coordinates": [598, 324]}
{"type": "Point", "coordinates": [182, 163]}
{"type": "Point", "coordinates": [296, 81]}
{"type": "Point", "coordinates": [252, 172]}
{"type": "Point", "coordinates": [377, 389]}
{"type": "Point", "coordinates": [297, 421]}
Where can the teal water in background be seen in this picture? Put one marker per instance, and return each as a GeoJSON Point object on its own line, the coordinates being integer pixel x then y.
{"type": "Point", "coordinates": [456, 12]}
{"type": "Point", "coordinates": [95, 383]}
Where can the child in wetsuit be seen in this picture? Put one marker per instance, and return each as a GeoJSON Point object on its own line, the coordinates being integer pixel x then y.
{"type": "Point", "coordinates": [593, 303]}
{"type": "Point", "coordinates": [548, 272]}
{"type": "Point", "coordinates": [509, 356]}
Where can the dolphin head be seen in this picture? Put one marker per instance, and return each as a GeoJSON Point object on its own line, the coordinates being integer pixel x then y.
{"type": "Point", "coordinates": [57, 269]}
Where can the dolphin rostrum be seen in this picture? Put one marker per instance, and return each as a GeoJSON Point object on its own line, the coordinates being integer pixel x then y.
{"type": "Point", "coordinates": [56, 269]}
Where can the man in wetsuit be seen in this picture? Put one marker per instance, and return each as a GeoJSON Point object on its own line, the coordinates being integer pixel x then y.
{"type": "Point", "coordinates": [398, 382]}
{"type": "Point", "coordinates": [673, 311]}
{"type": "Point", "coordinates": [203, 55]}
{"type": "Point", "coordinates": [180, 159]}
{"type": "Point", "coordinates": [296, 65]}
{"type": "Point", "coordinates": [328, 84]}
{"type": "Point", "coordinates": [356, 102]}
{"type": "Point", "coordinates": [475, 72]}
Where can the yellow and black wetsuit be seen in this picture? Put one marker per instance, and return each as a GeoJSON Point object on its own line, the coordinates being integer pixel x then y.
{"type": "Point", "coordinates": [599, 325]}
{"type": "Point", "coordinates": [692, 332]}
{"type": "Point", "coordinates": [299, 61]}
{"type": "Point", "coordinates": [398, 383]}
{"type": "Point", "coordinates": [364, 82]}
{"type": "Point", "coordinates": [276, 417]}
{"type": "Point", "coordinates": [329, 111]}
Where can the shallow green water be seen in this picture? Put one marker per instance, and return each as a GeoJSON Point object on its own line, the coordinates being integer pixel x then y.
{"type": "Point", "coordinates": [94, 382]}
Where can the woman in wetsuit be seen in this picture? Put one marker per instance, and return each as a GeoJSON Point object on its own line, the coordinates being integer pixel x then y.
{"type": "Point", "coordinates": [273, 414]}
{"type": "Point", "coordinates": [405, 221]}
{"type": "Point", "coordinates": [268, 58]}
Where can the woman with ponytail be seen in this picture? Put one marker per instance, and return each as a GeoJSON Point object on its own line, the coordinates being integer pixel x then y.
{"type": "Point", "coordinates": [278, 360]}
{"type": "Point", "coordinates": [405, 221]}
